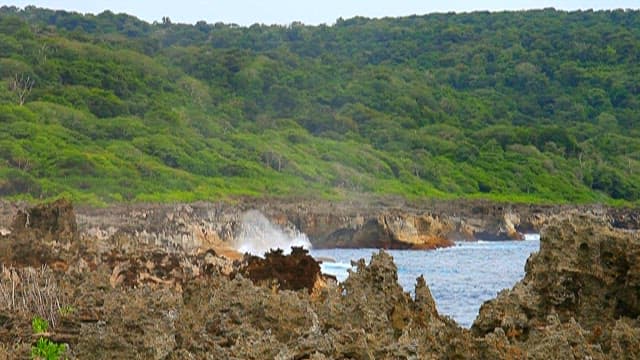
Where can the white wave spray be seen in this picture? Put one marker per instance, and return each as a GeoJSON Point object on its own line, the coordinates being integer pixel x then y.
{"type": "Point", "coordinates": [258, 235]}
{"type": "Point", "coordinates": [532, 237]}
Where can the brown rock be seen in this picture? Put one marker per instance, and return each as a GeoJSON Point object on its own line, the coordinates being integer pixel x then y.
{"type": "Point", "coordinates": [40, 235]}
{"type": "Point", "coordinates": [394, 230]}
{"type": "Point", "coordinates": [580, 285]}
{"type": "Point", "coordinates": [55, 221]}
{"type": "Point", "coordinates": [136, 295]}
{"type": "Point", "coordinates": [288, 272]}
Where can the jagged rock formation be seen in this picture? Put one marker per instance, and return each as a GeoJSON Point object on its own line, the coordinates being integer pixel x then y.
{"type": "Point", "coordinates": [389, 224]}
{"type": "Point", "coordinates": [141, 301]}
{"type": "Point", "coordinates": [49, 222]}
{"type": "Point", "coordinates": [403, 225]}
{"type": "Point", "coordinates": [296, 271]}
{"type": "Point", "coordinates": [394, 226]}
{"type": "Point", "coordinates": [187, 227]}
{"type": "Point", "coordinates": [579, 299]}
{"type": "Point", "coordinates": [368, 317]}
{"type": "Point", "coordinates": [624, 218]}
{"type": "Point", "coordinates": [580, 296]}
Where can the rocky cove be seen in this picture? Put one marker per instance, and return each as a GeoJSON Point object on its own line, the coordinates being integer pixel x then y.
{"type": "Point", "coordinates": [164, 282]}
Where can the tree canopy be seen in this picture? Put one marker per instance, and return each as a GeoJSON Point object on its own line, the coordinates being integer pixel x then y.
{"type": "Point", "coordinates": [536, 106]}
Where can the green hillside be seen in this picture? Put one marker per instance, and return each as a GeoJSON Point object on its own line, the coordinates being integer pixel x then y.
{"type": "Point", "coordinates": [539, 106]}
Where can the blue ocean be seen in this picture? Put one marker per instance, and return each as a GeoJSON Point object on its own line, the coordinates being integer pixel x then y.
{"type": "Point", "coordinates": [461, 277]}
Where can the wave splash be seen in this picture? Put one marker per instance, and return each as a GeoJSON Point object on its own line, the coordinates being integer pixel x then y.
{"type": "Point", "coordinates": [532, 237]}
{"type": "Point", "coordinates": [258, 235]}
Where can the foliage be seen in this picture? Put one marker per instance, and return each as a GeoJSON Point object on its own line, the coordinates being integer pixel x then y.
{"type": "Point", "coordinates": [48, 350]}
{"type": "Point", "coordinates": [45, 348]}
{"type": "Point", "coordinates": [66, 310]}
{"type": "Point", "coordinates": [39, 325]}
{"type": "Point", "coordinates": [535, 106]}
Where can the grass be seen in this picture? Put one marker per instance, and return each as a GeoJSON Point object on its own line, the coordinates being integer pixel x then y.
{"type": "Point", "coordinates": [31, 292]}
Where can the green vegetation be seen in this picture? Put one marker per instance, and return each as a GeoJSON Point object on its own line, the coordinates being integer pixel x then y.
{"type": "Point", "coordinates": [39, 325]}
{"type": "Point", "coordinates": [48, 350]}
{"type": "Point", "coordinates": [66, 310]}
{"type": "Point", "coordinates": [45, 348]}
{"type": "Point", "coordinates": [535, 106]}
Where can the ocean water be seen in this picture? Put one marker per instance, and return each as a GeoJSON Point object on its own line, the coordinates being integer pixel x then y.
{"type": "Point", "coordinates": [460, 278]}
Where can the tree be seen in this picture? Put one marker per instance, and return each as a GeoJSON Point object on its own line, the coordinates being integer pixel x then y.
{"type": "Point", "coordinates": [21, 86]}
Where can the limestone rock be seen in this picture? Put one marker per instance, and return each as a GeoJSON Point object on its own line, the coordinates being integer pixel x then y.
{"type": "Point", "coordinates": [577, 290]}
{"type": "Point", "coordinates": [393, 230]}
{"type": "Point", "coordinates": [133, 298]}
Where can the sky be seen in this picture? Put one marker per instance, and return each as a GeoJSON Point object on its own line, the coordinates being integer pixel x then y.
{"type": "Point", "coordinates": [245, 12]}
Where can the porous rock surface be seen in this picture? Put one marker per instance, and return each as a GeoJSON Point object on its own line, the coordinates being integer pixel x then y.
{"type": "Point", "coordinates": [580, 297]}
{"type": "Point", "coordinates": [392, 230]}
{"type": "Point", "coordinates": [139, 301]}
{"type": "Point", "coordinates": [388, 223]}
{"type": "Point", "coordinates": [296, 271]}
{"type": "Point", "coordinates": [578, 300]}
{"type": "Point", "coordinates": [39, 234]}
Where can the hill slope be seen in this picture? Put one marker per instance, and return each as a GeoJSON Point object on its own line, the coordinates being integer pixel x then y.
{"type": "Point", "coordinates": [526, 106]}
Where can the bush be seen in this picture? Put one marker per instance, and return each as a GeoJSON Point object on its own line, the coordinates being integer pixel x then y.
{"type": "Point", "coordinates": [31, 291]}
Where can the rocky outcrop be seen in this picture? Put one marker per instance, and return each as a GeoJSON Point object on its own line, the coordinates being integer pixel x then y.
{"type": "Point", "coordinates": [578, 300]}
{"type": "Point", "coordinates": [368, 223]}
{"type": "Point", "coordinates": [187, 227]}
{"type": "Point", "coordinates": [624, 218]}
{"type": "Point", "coordinates": [404, 225]}
{"type": "Point", "coordinates": [158, 268]}
{"type": "Point", "coordinates": [148, 302]}
{"type": "Point", "coordinates": [368, 317]}
{"type": "Point", "coordinates": [580, 296]}
{"type": "Point", "coordinates": [40, 235]}
{"type": "Point", "coordinates": [497, 227]}
{"type": "Point", "coordinates": [394, 230]}
{"type": "Point", "coordinates": [201, 226]}
{"type": "Point", "coordinates": [49, 222]}
{"type": "Point", "coordinates": [295, 271]}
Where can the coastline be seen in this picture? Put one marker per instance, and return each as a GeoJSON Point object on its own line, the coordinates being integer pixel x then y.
{"type": "Point", "coordinates": [124, 299]}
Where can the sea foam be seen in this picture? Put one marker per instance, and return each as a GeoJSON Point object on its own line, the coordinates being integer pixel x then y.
{"type": "Point", "coordinates": [258, 235]}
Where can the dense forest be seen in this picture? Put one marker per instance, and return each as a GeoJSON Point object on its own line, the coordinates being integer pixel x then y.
{"type": "Point", "coordinates": [531, 106]}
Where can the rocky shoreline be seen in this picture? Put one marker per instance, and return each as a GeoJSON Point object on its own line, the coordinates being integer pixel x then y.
{"type": "Point", "coordinates": [369, 224]}
{"type": "Point", "coordinates": [132, 292]}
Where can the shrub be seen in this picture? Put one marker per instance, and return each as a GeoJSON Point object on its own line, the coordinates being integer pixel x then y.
{"type": "Point", "coordinates": [39, 325]}
{"type": "Point", "coordinates": [30, 291]}
{"type": "Point", "coordinates": [45, 348]}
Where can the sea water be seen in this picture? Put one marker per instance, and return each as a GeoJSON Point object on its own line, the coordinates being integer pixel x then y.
{"type": "Point", "coordinates": [461, 277]}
